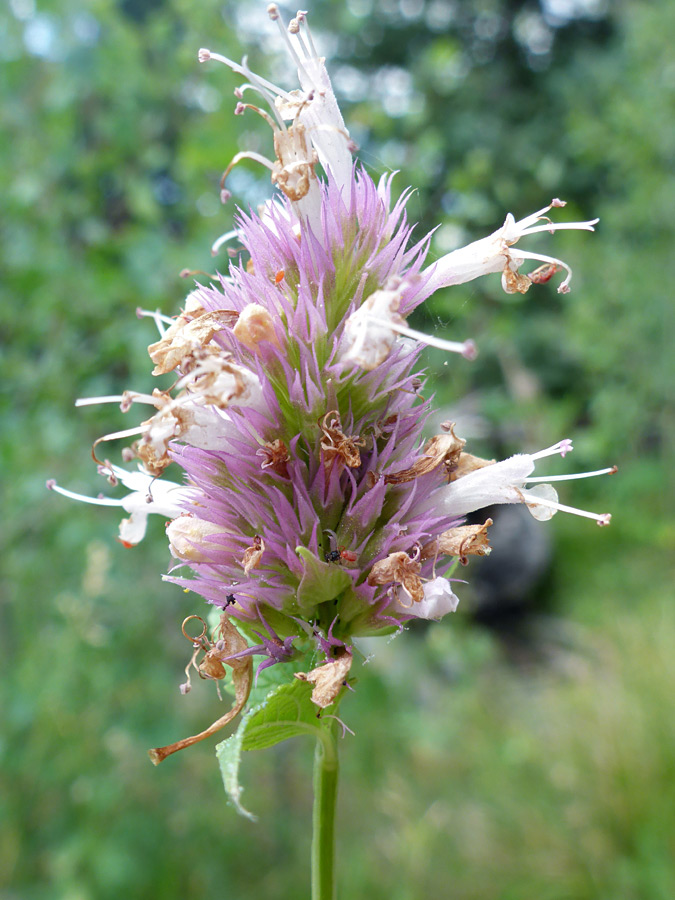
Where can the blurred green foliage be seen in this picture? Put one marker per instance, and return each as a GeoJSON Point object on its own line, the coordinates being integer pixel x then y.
{"type": "Point", "coordinates": [468, 777]}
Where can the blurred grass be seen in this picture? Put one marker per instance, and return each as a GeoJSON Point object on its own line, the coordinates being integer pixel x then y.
{"type": "Point", "coordinates": [468, 777]}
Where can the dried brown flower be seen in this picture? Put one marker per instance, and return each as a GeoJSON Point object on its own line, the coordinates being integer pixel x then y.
{"type": "Point", "coordinates": [328, 679]}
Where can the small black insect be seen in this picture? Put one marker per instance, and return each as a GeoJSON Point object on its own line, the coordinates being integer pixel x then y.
{"type": "Point", "coordinates": [230, 599]}
{"type": "Point", "coordinates": [332, 555]}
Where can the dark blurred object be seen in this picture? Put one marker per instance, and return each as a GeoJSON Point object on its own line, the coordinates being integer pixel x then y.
{"type": "Point", "coordinates": [507, 584]}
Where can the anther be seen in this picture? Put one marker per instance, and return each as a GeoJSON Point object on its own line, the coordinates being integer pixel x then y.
{"type": "Point", "coordinates": [190, 273]}
{"type": "Point", "coordinates": [470, 351]}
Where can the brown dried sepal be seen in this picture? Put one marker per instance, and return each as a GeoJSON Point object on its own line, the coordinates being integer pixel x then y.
{"type": "Point", "coordinates": [145, 450]}
{"type": "Point", "coordinates": [242, 677]}
{"type": "Point", "coordinates": [336, 444]}
{"type": "Point", "coordinates": [513, 282]}
{"type": "Point", "coordinates": [399, 568]}
{"type": "Point", "coordinates": [230, 642]}
{"type": "Point", "coordinates": [468, 463]}
{"type": "Point", "coordinates": [544, 273]}
{"type": "Point", "coordinates": [294, 165]}
{"type": "Point", "coordinates": [217, 380]}
{"type": "Point", "coordinates": [442, 448]}
{"type": "Point", "coordinates": [466, 540]}
{"type": "Point", "coordinates": [275, 455]}
{"type": "Point", "coordinates": [152, 463]}
{"type": "Point", "coordinates": [192, 330]}
{"type": "Point", "coordinates": [253, 554]}
{"type": "Point", "coordinates": [328, 679]}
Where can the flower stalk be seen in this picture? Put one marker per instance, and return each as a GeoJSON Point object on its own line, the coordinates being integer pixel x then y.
{"type": "Point", "coordinates": [325, 781]}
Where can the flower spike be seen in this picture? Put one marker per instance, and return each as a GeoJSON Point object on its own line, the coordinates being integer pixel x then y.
{"type": "Point", "coordinates": [308, 506]}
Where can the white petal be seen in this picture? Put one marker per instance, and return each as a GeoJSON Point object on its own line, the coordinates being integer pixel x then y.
{"type": "Point", "coordinates": [324, 122]}
{"type": "Point", "coordinates": [497, 483]}
{"type": "Point", "coordinates": [546, 492]}
{"type": "Point", "coordinates": [439, 599]}
{"type": "Point", "coordinates": [482, 257]}
{"type": "Point", "coordinates": [132, 530]}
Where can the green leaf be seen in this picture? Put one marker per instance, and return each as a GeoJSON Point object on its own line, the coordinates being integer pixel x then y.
{"type": "Point", "coordinates": [321, 581]}
{"type": "Point", "coordinates": [275, 676]}
{"type": "Point", "coordinates": [286, 712]}
{"type": "Point", "coordinates": [229, 756]}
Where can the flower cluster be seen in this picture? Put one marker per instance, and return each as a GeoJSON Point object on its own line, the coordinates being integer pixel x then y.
{"type": "Point", "coordinates": [311, 510]}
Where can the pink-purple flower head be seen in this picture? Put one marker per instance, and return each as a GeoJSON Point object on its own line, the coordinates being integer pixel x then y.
{"type": "Point", "coordinates": [311, 503]}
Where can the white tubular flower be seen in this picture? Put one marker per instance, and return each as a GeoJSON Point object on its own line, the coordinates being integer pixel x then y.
{"type": "Point", "coordinates": [219, 382]}
{"type": "Point", "coordinates": [197, 416]}
{"type": "Point", "coordinates": [318, 109]}
{"type": "Point", "coordinates": [317, 132]}
{"type": "Point", "coordinates": [505, 482]}
{"type": "Point", "coordinates": [148, 495]}
{"type": "Point", "coordinates": [369, 336]}
{"type": "Point", "coordinates": [494, 254]}
{"type": "Point", "coordinates": [187, 422]}
{"type": "Point", "coordinates": [439, 599]}
{"type": "Point", "coordinates": [370, 332]}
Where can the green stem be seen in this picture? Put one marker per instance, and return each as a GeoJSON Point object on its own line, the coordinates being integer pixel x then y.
{"type": "Point", "coordinates": [323, 819]}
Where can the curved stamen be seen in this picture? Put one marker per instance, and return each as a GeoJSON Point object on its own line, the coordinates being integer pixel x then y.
{"type": "Point", "coordinates": [96, 501]}
{"type": "Point", "coordinates": [301, 17]}
{"type": "Point", "coordinates": [114, 435]}
{"type": "Point", "coordinates": [563, 287]}
{"type": "Point", "coordinates": [244, 154]}
{"type": "Point", "coordinates": [294, 29]}
{"type": "Point", "coordinates": [154, 314]}
{"type": "Point", "coordinates": [223, 239]}
{"type": "Point", "coordinates": [611, 470]}
{"type": "Point", "coordinates": [600, 518]}
{"type": "Point", "coordinates": [256, 109]}
{"type": "Point", "coordinates": [466, 348]}
{"type": "Point", "coordinates": [561, 226]}
{"type": "Point", "coordinates": [127, 397]}
{"type": "Point", "coordinates": [273, 12]}
{"type": "Point", "coordinates": [257, 81]}
{"type": "Point", "coordinates": [562, 447]}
